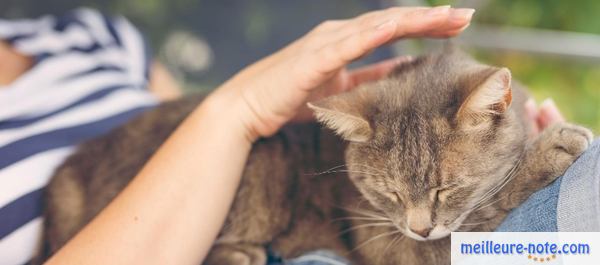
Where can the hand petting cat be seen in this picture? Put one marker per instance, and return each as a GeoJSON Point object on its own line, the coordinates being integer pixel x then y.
{"type": "Point", "coordinates": [275, 90]}
{"type": "Point", "coordinates": [155, 219]}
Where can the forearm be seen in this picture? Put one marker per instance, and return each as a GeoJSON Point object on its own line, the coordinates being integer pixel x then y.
{"type": "Point", "coordinates": [172, 211]}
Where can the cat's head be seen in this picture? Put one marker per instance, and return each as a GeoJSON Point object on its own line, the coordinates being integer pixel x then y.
{"type": "Point", "coordinates": [428, 143]}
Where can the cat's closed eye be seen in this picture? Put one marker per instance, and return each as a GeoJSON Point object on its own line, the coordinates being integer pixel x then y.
{"type": "Point", "coordinates": [433, 195]}
{"type": "Point", "coordinates": [443, 195]}
{"type": "Point", "coordinates": [395, 196]}
{"type": "Point", "coordinates": [440, 195]}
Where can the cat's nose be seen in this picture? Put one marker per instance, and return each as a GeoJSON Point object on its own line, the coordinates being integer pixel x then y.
{"type": "Point", "coordinates": [424, 232]}
{"type": "Point", "coordinates": [419, 221]}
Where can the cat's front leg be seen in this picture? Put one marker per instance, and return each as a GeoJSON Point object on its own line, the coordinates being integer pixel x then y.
{"type": "Point", "coordinates": [547, 158]}
{"type": "Point", "coordinates": [236, 254]}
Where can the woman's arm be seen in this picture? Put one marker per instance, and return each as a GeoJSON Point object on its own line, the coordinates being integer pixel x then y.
{"type": "Point", "coordinates": [171, 212]}
{"type": "Point", "coordinates": [173, 209]}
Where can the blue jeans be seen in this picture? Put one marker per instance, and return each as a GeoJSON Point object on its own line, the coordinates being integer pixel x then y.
{"type": "Point", "coordinates": [319, 257]}
{"type": "Point", "coordinates": [570, 204]}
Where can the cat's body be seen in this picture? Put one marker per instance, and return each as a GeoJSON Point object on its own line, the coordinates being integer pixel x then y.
{"type": "Point", "coordinates": [296, 195]}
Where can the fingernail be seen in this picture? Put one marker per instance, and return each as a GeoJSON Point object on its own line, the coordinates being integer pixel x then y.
{"type": "Point", "coordinates": [438, 10]}
{"type": "Point", "coordinates": [530, 104]}
{"type": "Point", "coordinates": [547, 103]}
{"type": "Point", "coordinates": [549, 109]}
{"type": "Point", "coordinates": [464, 27]}
{"type": "Point", "coordinates": [462, 14]}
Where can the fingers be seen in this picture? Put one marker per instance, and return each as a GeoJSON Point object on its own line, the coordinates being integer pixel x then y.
{"type": "Point", "coordinates": [532, 113]}
{"type": "Point", "coordinates": [417, 21]}
{"type": "Point", "coordinates": [542, 117]}
{"type": "Point", "coordinates": [456, 22]}
{"type": "Point", "coordinates": [350, 40]}
{"type": "Point", "coordinates": [342, 52]}
{"type": "Point", "coordinates": [549, 114]}
{"type": "Point", "coordinates": [374, 72]}
{"type": "Point", "coordinates": [437, 23]}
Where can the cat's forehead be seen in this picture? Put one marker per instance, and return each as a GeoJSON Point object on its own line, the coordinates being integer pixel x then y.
{"type": "Point", "coordinates": [443, 64]}
{"type": "Point", "coordinates": [431, 84]}
{"type": "Point", "coordinates": [413, 151]}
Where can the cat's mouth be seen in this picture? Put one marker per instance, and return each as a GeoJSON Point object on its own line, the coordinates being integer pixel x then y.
{"type": "Point", "coordinates": [439, 231]}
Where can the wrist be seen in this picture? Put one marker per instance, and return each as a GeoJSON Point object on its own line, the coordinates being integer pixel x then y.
{"type": "Point", "coordinates": [225, 115]}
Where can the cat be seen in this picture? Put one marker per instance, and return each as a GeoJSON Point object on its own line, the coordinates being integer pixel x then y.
{"type": "Point", "coordinates": [439, 145]}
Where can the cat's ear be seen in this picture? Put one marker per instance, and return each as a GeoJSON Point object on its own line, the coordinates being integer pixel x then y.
{"type": "Point", "coordinates": [345, 114]}
{"type": "Point", "coordinates": [489, 97]}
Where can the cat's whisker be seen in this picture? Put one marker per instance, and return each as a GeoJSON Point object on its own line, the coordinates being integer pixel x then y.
{"type": "Point", "coordinates": [511, 173]}
{"type": "Point", "coordinates": [371, 168]}
{"type": "Point", "coordinates": [366, 213]}
{"type": "Point", "coordinates": [373, 215]}
{"type": "Point", "coordinates": [359, 172]}
{"type": "Point", "coordinates": [327, 171]}
{"type": "Point", "coordinates": [361, 201]}
{"type": "Point", "coordinates": [375, 238]}
{"type": "Point", "coordinates": [490, 204]}
{"type": "Point", "coordinates": [473, 224]}
{"type": "Point", "coordinates": [377, 173]}
{"type": "Point", "coordinates": [487, 203]}
{"type": "Point", "coordinates": [460, 218]}
{"type": "Point", "coordinates": [346, 171]}
{"type": "Point", "coordinates": [501, 184]}
{"type": "Point", "coordinates": [363, 218]}
{"type": "Point", "coordinates": [495, 189]}
{"type": "Point", "coordinates": [389, 224]}
{"type": "Point", "coordinates": [394, 241]}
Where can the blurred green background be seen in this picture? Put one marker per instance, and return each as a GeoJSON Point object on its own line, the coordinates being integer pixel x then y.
{"type": "Point", "coordinates": [573, 83]}
{"type": "Point", "coordinates": [205, 41]}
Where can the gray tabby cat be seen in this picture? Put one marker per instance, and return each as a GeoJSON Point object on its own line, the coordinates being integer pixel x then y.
{"type": "Point", "coordinates": [436, 147]}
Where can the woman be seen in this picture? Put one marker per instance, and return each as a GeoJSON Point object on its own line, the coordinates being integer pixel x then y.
{"type": "Point", "coordinates": [156, 219]}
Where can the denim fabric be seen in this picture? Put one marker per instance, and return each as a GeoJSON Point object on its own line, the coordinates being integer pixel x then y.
{"type": "Point", "coordinates": [570, 204]}
{"type": "Point", "coordinates": [536, 214]}
{"type": "Point", "coordinates": [320, 257]}
{"type": "Point", "coordinates": [578, 207]}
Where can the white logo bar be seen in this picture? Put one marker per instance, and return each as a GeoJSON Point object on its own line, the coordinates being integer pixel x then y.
{"type": "Point", "coordinates": [569, 248]}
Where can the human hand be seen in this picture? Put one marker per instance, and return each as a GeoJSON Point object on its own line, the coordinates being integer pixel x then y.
{"type": "Point", "coordinates": [275, 89]}
{"type": "Point", "coordinates": [542, 117]}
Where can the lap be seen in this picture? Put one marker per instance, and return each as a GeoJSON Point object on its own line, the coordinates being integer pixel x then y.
{"type": "Point", "coordinates": [570, 204]}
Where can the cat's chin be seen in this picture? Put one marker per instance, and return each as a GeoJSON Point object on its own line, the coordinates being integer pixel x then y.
{"type": "Point", "coordinates": [438, 232]}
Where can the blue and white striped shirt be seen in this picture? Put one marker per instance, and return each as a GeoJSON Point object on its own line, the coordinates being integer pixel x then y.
{"type": "Point", "coordinates": [90, 75]}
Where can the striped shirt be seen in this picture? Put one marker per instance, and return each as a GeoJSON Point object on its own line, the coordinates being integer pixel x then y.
{"type": "Point", "coordinates": [90, 75]}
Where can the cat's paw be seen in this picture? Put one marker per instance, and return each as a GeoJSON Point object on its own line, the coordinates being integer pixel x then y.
{"type": "Point", "coordinates": [561, 144]}
{"type": "Point", "coordinates": [236, 255]}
